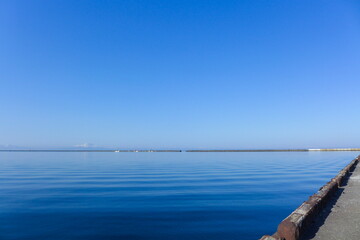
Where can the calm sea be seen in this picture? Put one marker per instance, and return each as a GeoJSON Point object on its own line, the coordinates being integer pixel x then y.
{"type": "Point", "coordinates": [156, 195]}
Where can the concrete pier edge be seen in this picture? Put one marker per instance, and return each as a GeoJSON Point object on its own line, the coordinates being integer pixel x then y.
{"type": "Point", "coordinates": [294, 226]}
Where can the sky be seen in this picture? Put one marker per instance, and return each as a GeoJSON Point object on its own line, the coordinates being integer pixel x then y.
{"type": "Point", "coordinates": [198, 74]}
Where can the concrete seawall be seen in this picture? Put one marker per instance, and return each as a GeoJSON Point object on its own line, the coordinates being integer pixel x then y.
{"type": "Point", "coordinates": [302, 220]}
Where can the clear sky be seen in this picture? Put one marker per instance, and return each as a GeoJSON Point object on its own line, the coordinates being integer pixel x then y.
{"type": "Point", "coordinates": [180, 74]}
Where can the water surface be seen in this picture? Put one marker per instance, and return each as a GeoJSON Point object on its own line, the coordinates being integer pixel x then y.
{"type": "Point", "coordinates": [156, 195]}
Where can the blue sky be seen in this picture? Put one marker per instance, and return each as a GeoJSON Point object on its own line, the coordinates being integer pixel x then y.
{"type": "Point", "coordinates": [179, 74]}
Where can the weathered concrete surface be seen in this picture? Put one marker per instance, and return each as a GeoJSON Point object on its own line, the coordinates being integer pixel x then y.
{"type": "Point", "coordinates": [305, 221]}
{"type": "Point", "coordinates": [341, 218]}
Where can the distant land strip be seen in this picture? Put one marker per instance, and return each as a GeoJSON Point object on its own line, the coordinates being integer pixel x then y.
{"type": "Point", "coordinates": [240, 150]}
{"type": "Point", "coordinates": [280, 150]}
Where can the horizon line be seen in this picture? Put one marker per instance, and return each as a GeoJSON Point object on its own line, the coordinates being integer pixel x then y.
{"type": "Point", "coordinates": [180, 150]}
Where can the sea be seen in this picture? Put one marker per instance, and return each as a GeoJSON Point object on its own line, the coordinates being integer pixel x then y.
{"type": "Point", "coordinates": [156, 195]}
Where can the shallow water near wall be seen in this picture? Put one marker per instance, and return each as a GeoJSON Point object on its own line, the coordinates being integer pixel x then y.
{"type": "Point", "coordinates": [156, 195]}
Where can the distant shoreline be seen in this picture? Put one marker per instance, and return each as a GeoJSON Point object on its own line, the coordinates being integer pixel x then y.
{"type": "Point", "coordinates": [240, 150]}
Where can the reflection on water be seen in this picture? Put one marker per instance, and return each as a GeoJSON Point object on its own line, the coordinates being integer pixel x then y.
{"type": "Point", "coordinates": [156, 195]}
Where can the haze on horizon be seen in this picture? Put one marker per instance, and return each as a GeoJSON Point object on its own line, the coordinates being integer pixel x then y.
{"type": "Point", "coordinates": [179, 74]}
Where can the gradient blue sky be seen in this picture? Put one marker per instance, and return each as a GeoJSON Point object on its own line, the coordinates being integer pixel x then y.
{"type": "Point", "coordinates": [180, 74]}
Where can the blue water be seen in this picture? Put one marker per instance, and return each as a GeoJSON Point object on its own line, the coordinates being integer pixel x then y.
{"type": "Point", "coordinates": [156, 195]}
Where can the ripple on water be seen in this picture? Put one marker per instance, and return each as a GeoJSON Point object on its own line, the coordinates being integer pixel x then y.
{"type": "Point", "coordinates": [156, 195]}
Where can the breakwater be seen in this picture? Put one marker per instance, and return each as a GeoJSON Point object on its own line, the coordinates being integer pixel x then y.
{"type": "Point", "coordinates": [301, 221]}
{"type": "Point", "coordinates": [280, 150]}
